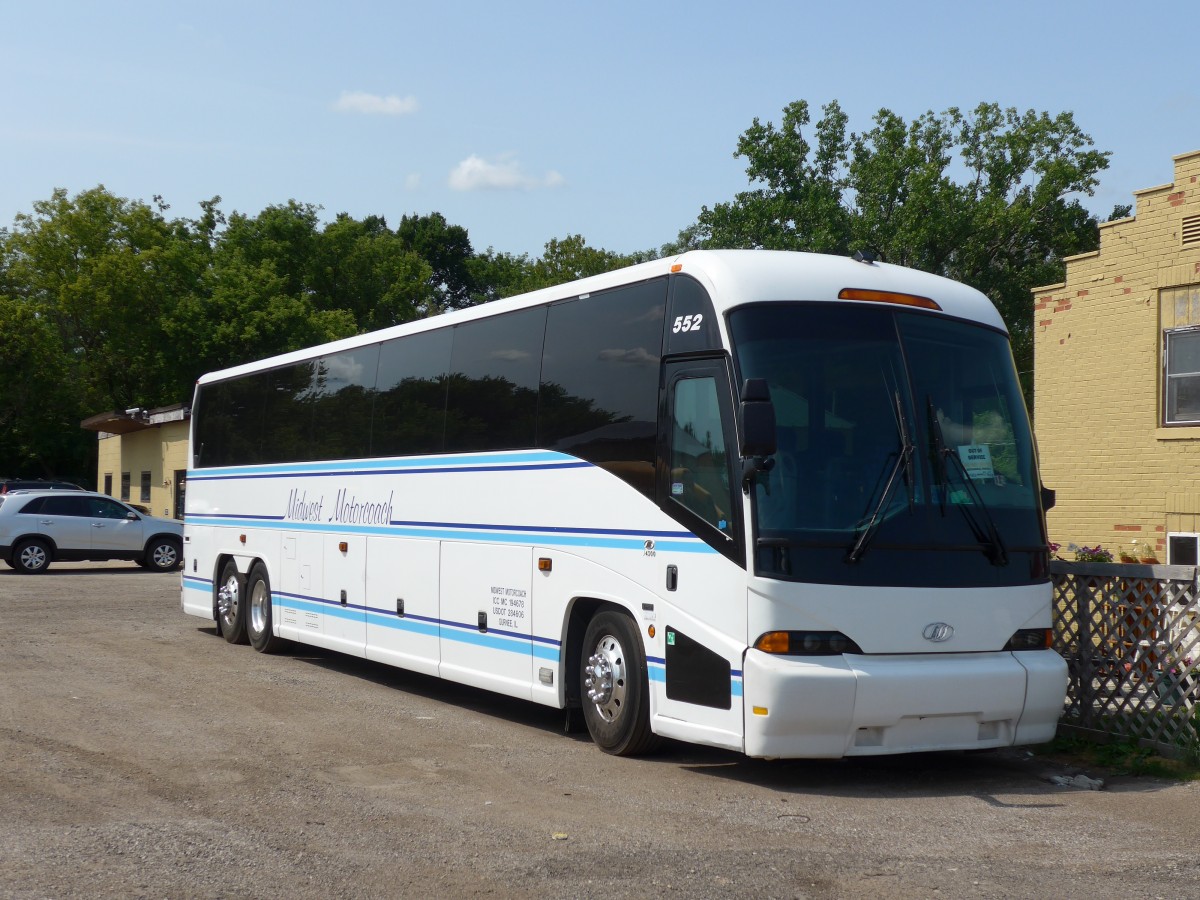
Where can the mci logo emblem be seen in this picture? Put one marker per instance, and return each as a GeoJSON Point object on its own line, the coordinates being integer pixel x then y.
{"type": "Point", "coordinates": [938, 632]}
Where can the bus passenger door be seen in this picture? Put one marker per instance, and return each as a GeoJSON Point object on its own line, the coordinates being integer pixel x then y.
{"type": "Point", "coordinates": [703, 620]}
{"type": "Point", "coordinates": [486, 618]}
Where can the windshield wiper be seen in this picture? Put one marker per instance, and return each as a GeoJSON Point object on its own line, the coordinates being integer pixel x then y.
{"type": "Point", "coordinates": [904, 462]}
{"type": "Point", "coordinates": [986, 532]}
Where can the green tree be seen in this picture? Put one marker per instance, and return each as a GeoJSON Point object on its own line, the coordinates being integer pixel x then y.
{"type": "Point", "coordinates": [990, 197]}
{"type": "Point", "coordinates": [284, 235]}
{"type": "Point", "coordinates": [497, 275]}
{"type": "Point", "coordinates": [365, 269]}
{"type": "Point", "coordinates": [447, 250]}
{"type": "Point", "coordinates": [39, 424]}
{"type": "Point", "coordinates": [242, 312]}
{"type": "Point", "coordinates": [99, 275]}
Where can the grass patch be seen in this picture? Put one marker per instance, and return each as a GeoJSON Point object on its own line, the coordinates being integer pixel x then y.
{"type": "Point", "coordinates": [1121, 758]}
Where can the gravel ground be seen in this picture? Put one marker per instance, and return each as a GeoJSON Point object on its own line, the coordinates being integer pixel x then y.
{"type": "Point", "coordinates": [145, 757]}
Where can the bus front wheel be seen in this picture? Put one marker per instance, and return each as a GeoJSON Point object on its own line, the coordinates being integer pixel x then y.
{"type": "Point", "coordinates": [231, 604]}
{"type": "Point", "coordinates": [614, 687]}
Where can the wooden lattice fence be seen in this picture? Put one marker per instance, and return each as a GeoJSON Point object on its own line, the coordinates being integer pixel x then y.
{"type": "Point", "coordinates": [1131, 637]}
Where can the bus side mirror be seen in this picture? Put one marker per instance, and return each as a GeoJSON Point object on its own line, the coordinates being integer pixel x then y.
{"type": "Point", "coordinates": [756, 416]}
{"type": "Point", "coordinates": [756, 421]}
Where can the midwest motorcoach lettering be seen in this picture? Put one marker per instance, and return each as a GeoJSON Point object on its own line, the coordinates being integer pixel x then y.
{"type": "Point", "coordinates": [300, 510]}
{"type": "Point", "coordinates": [346, 509]}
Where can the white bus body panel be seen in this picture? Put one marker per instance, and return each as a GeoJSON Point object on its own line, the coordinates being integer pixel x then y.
{"type": "Point", "coordinates": [489, 583]}
{"type": "Point", "coordinates": [404, 572]}
{"type": "Point", "coordinates": [893, 619]}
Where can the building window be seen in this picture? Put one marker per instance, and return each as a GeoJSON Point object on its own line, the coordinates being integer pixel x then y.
{"type": "Point", "coordinates": [108, 483]}
{"type": "Point", "coordinates": [1180, 310]}
{"type": "Point", "coordinates": [1182, 383]}
{"type": "Point", "coordinates": [124, 485]}
{"type": "Point", "coordinates": [1182, 549]}
{"type": "Point", "coordinates": [145, 487]}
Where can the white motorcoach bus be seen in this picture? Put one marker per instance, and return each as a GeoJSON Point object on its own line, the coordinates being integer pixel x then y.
{"type": "Point", "coordinates": [781, 503]}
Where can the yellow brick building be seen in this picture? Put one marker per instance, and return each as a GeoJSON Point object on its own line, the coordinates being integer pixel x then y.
{"type": "Point", "coordinates": [143, 457]}
{"type": "Point", "coordinates": [1117, 379]}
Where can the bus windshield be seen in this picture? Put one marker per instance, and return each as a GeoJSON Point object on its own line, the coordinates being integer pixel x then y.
{"type": "Point", "coordinates": [904, 454]}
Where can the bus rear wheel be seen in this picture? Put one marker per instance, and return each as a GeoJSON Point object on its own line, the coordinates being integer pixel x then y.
{"type": "Point", "coordinates": [259, 627]}
{"type": "Point", "coordinates": [614, 687]}
{"type": "Point", "coordinates": [231, 606]}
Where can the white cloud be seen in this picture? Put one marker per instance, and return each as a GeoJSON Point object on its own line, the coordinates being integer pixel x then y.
{"type": "Point", "coordinates": [477, 174]}
{"type": "Point", "coordinates": [412, 181]}
{"type": "Point", "coordinates": [375, 105]}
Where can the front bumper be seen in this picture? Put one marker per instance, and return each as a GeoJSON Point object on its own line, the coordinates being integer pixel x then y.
{"type": "Point", "coordinates": [880, 704]}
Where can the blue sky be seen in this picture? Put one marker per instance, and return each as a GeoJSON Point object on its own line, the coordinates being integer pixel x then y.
{"type": "Point", "coordinates": [528, 121]}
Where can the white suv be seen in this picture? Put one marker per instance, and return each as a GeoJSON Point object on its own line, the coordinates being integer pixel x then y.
{"type": "Point", "coordinates": [39, 527]}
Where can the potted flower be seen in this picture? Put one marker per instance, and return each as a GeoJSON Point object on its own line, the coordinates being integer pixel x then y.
{"type": "Point", "coordinates": [1091, 554]}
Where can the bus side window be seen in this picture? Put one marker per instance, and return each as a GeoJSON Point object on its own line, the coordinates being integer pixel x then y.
{"type": "Point", "coordinates": [699, 467]}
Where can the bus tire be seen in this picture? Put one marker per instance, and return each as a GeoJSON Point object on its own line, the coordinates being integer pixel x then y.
{"type": "Point", "coordinates": [259, 612]}
{"type": "Point", "coordinates": [614, 687]}
{"type": "Point", "coordinates": [231, 604]}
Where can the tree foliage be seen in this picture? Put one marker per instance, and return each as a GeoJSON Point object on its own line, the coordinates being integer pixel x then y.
{"type": "Point", "coordinates": [990, 197]}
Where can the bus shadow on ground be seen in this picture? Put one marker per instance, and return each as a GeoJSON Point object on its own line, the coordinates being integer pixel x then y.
{"type": "Point", "coordinates": [1008, 777]}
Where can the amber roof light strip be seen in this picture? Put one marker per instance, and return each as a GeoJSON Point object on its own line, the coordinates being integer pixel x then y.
{"type": "Point", "coordinates": [887, 297]}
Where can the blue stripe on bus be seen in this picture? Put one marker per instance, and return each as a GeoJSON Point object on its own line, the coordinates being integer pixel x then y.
{"type": "Point", "coordinates": [495, 639]}
{"type": "Point", "coordinates": [562, 540]}
{"type": "Point", "coordinates": [455, 463]}
{"type": "Point", "coordinates": [480, 526]}
{"type": "Point", "coordinates": [512, 467]}
{"type": "Point", "coordinates": [539, 647]}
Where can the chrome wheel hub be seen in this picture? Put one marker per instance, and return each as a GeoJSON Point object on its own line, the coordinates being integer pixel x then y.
{"type": "Point", "coordinates": [259, 600]}
{"type": "Point", "coordinates": [605, 677]}
{"type": "Point", "coordinates": [228, 599]}
{"type": "Point", "coordinates": [164, 556]}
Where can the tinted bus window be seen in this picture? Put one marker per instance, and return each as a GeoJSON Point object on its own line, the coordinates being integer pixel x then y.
{"type": "Point", "coordinates": [229, 422]}
{"type": "Point", "coordinates": [493, 391]}
{"type": "Point", "coordinates": [599, 388]}
{"type": "Point", "coordinates": [287, 418]}
{"type": "Point", "coordinates": [341, 394]}
{"type": "Point", "coordinates": [410, 397]}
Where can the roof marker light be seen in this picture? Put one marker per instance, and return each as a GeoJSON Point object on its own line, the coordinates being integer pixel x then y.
{"type": "Point", "coordinates": [887, 297]}
{"type": "Point", "coordinates": [677, 267]}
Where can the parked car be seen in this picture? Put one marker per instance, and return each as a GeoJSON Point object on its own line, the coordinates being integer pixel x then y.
{"type": "Point", "coordinates": [45, 526]}
{"type": "Point", "coordinates": [7, 485]}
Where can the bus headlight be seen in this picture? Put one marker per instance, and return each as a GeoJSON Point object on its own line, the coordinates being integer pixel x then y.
{"type": "Point", "coordinates": [806, 643]}
{"type": "Point", "coordinates": [1029, 639]}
